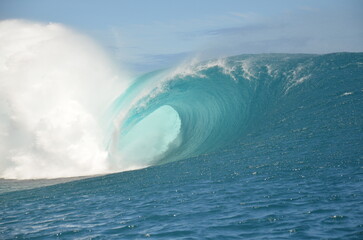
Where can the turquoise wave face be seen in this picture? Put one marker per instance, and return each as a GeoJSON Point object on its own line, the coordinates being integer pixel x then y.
{"type": "Point", "coordinates": [196, 109]}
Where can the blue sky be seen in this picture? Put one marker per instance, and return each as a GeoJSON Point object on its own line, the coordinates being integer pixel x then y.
{"type": "Point", "coordinates": [150, 34]}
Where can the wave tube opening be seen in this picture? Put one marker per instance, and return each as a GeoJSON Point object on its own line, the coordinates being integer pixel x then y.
{"type": "Point", "coordinates": [147, 140]}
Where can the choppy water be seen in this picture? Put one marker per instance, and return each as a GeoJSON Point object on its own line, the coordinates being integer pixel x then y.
{"type": "Point", "coordinates": [265, 147]}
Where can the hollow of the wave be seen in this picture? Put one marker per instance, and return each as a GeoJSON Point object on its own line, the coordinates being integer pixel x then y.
{"type": "Point", "coordinates": [149, 139]}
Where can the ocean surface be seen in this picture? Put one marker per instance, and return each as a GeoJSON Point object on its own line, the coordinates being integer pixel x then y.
{"type": "Point", "coordinates": [265, 146]}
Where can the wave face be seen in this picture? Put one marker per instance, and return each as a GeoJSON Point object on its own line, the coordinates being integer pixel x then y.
{"type": "Point", "coordinates": [179, 113]}
{"type": "Point", "coordinates": [200, 108]}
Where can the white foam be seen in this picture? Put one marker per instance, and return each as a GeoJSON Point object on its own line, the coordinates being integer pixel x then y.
{"type": "Point", "coordinates": [54, 84]}
{"type": "Point", "coordinates": [247, 69]}
{"type": "Point", "coordinates": [296, 77]}
{"type": "Point", "coordinates": [346, 94]}
{"type": "Point", "coordinates": [194, 68]}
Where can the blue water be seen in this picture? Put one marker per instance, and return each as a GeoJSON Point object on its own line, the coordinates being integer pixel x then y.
{"type": "Point", "coordinates": [248, 147]}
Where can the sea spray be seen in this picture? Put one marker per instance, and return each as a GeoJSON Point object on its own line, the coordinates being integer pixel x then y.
{"type": "Point", "coordinates": [54, 86]}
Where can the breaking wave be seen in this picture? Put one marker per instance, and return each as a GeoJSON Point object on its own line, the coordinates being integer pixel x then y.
{"type": "Point", "coordinates": [65, 110]}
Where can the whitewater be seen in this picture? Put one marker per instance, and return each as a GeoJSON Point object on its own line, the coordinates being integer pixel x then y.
{"type": "Point", "coordinates": [247, 146]}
